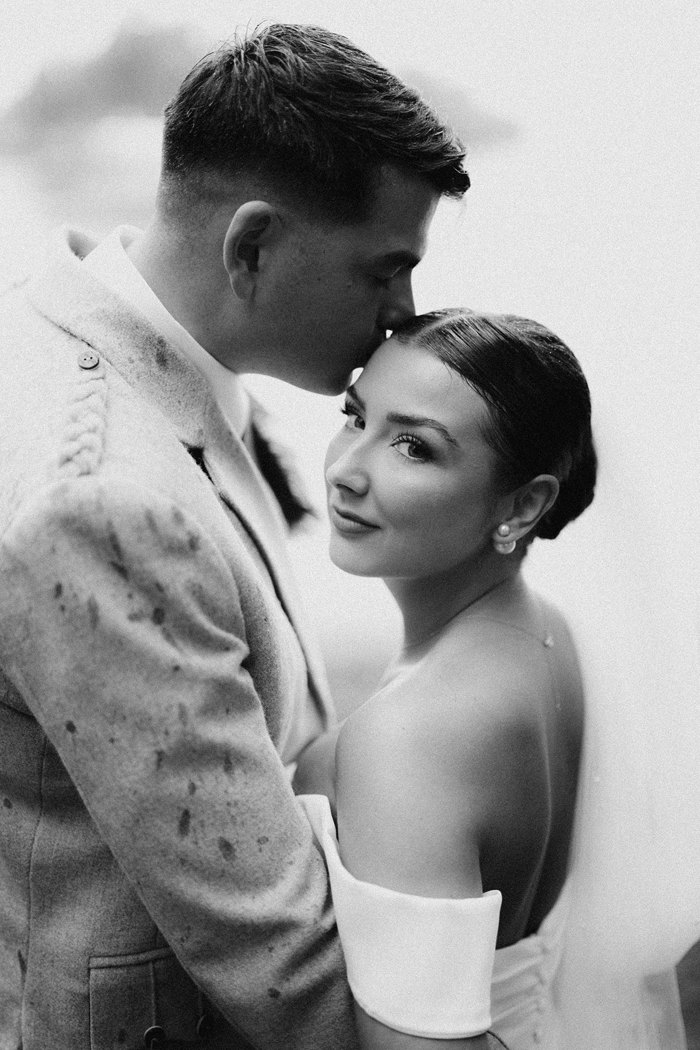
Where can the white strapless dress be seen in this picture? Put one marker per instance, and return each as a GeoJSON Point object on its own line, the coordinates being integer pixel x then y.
{"type": "Point", "coordinates": [523, 1008]}
{"type": "Point", "coordinates": [429, 966]}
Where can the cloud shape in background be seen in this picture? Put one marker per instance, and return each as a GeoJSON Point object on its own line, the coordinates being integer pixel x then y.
{"type": "Point", "coordinates": [137, 74]}
{"type": "Point", "coordinates": [88, 134]}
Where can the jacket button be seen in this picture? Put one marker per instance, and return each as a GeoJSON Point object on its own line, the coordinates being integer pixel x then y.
{"type": "Point", "coordinates": [205, 1026]}
{"type": "Point", "coordinates": [154, 1038]}
{"type": "Point", "coordinates": [88, 359]}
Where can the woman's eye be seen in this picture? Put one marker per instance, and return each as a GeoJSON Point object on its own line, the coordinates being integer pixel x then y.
{"type": "Point", "coordinates": [353, 420]}
{"type": "Point", "coordinates": [411, 448]}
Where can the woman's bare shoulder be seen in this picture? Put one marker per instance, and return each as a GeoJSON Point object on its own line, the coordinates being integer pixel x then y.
{"type": "Point", "coordinates": [425, 767]}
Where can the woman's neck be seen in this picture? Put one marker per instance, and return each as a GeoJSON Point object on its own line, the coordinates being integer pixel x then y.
{"type": "Point", "coordinates": [429, 603]}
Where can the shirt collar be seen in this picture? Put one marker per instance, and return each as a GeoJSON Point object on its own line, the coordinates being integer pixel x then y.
{"type": "Point", "coordinates": [111, 265]}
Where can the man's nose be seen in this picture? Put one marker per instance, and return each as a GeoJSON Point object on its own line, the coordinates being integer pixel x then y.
{"type": "Point", "coordinates": [399, 306]}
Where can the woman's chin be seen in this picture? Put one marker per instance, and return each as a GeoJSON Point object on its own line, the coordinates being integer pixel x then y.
{"type": "Point", "coordinates": [351, 561]}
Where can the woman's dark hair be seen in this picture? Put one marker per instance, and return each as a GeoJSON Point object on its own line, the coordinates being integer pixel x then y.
{"type": "Point", "coordinates": [540, 405]}
{"type": "Point", "coordinates": [312, 114]}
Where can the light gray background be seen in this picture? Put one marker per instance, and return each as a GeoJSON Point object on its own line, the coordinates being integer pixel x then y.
{"type": "Point", "coordinates": [582, 127]}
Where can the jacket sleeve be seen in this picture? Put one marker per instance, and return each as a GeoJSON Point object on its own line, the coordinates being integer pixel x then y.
{"type": "Point", "coordinates": [121, 625]}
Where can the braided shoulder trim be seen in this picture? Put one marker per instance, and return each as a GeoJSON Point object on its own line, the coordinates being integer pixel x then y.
{"type": "Point", "coordinates": [84, 435]}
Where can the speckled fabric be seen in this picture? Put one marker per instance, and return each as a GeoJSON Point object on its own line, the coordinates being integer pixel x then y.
{"type": "Point", "coordinates": [155, 869]}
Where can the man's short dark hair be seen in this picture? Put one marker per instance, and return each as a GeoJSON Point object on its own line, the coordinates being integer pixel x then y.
{"type": "Point", "coordinates": [309, 113]}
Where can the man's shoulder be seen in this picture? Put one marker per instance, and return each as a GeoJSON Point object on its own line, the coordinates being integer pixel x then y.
{"type": "Point", "coordinates": [64, 411]}
{"type": "Point", "coordinates": [89, 507]}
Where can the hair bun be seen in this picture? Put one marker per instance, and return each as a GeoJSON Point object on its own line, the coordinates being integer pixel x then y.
{"type": "Point", "coordinates": [575, 492]}
{"type": "Point", "coordinates": [539, 404]}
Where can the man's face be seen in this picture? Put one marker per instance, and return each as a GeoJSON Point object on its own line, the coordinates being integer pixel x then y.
{"type": "Point", "coordinates": [334, 291]}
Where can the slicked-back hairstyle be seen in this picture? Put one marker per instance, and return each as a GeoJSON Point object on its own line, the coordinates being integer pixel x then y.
{"type": "Point", "coordinates": [309, 113]}
{"type": "Point", "coordinates": [538, 398]}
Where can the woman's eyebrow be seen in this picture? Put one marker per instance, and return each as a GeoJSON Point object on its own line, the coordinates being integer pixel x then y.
{"type": "Point", "coordinates": [422, 421]}
{"type": "Point", "coordinates": [352, 393]}
{"type": "Point", "coordinates": [402, 419]}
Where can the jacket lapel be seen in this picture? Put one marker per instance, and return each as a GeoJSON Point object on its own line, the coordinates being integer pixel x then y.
{"type": "Point", "coordinates": [72, 298]}
{"type": "Point", "coordinates": [244, 490]}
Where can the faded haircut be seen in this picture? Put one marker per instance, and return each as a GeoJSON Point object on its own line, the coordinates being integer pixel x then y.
{"type": "Point", "coordinates": [306, 112]}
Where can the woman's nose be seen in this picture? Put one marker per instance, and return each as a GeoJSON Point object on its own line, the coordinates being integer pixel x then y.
{"type": "Point", "coordinates": [345, 467]}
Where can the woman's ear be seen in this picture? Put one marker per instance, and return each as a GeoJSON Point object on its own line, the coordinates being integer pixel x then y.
{"type": "Point", "coordinates": [255, 227]}
{"type": "Point", "coordinates": [527, 505]}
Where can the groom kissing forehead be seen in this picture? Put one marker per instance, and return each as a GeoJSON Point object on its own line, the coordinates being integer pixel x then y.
{"type": "Point", "coordinates": [299, 179]}
{"type": "Point", "coordinates": [159, 884]}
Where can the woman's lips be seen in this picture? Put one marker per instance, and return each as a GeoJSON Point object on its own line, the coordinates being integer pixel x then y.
{"type": "Point", "coordinates": [350, 524]}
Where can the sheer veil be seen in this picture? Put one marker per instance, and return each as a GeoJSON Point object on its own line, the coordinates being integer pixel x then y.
{"type": "Point", "coordinates": [626, 576]}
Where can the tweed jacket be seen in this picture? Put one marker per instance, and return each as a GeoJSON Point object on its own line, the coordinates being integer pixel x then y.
{"type": "Point", "coordinates": [159, 885]}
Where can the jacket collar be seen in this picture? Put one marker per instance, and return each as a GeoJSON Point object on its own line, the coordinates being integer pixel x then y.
{"type": "Point", "coordinates": [74, 299]}
{"type": "Point", "coordinates": [70, 296]}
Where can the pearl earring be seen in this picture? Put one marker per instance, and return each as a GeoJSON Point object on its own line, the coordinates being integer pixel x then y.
{"type": "Point", "coordinates": [504, 546]}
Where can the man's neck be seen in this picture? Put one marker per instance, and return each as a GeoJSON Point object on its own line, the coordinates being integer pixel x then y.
{"type": "Point", "coordinates": [182, 283]}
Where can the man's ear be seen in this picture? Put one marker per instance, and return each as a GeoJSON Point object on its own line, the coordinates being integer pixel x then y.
{"type": "Point", "coordinates": [527, 505]}
{"type": "Point", "coordinates": [255, 226]}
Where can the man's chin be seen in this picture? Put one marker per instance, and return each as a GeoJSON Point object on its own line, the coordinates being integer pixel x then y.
{"type": "Point", "coordinates": [329, 383]}
{"type": "Point", "coordinates": [334, 385]}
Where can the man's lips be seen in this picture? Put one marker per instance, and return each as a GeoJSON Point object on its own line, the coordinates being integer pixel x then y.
{"type": "Point", "coordinates": [347, 522]}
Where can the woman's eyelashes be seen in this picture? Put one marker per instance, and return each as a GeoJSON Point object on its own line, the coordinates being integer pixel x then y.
{"type": "Point", "coordinates": [354, 420]}
{"type": "Point", "coordinates": [409, 446]}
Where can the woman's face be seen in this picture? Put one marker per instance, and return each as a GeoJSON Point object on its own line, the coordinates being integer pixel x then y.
{"type": "Point", "coordinates": [410, 479]}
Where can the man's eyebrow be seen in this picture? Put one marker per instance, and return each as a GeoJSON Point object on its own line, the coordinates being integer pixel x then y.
{"type": "Point", "coordinates": [398, 259]}
{"type": "Point", "coordinates": [422, 421]}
